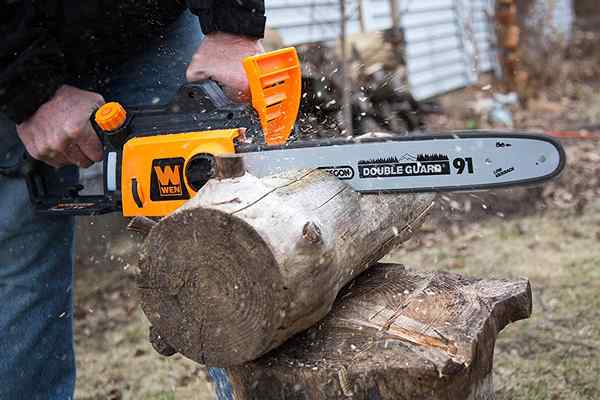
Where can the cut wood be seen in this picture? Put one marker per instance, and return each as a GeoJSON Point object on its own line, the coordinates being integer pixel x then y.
{"type": "Point", "coordinates": [393, 334]}
{"type": "Point", "coordinates": [250, 262]}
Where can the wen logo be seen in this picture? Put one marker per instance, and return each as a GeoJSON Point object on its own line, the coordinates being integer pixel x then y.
{"type": "Point", "coordinates": [166, 181]}
{"type": "Point", "coordinates": [169, 180]}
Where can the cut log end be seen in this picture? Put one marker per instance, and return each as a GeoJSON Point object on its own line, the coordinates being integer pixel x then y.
{"type": "Point", "coordinates": [249, 262]}
{"type": "Point", "coordinates": [234, 272]}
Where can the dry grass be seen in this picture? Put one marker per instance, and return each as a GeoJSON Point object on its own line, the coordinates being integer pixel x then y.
{"type": "Point", "coordinates": [556, 353]}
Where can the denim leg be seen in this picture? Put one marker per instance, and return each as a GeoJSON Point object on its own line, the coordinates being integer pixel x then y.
{"type": "Point", "coordinates": [36, 296]}
{"type": "Point", "coordinates": [220, 380]}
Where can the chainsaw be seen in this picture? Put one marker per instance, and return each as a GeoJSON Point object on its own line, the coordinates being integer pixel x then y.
{"type": "Point", "coordinates": [159, 156]}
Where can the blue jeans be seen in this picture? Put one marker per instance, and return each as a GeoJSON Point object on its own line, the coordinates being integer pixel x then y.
{"type": "Point", "coordinates": [36, 253]}
{"type": "Point", "coordinates": [36, 328]}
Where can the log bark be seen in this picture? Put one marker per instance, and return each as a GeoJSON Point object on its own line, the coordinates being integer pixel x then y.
{"type": "Point", "coordinates": [250, 262]}
{"type": "Point", "coordinates": [393, 334]}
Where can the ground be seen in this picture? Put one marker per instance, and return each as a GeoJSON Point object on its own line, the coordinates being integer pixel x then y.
{"type": "Point", "coordinates": [554, 354]}
{"type": "Point", "coordinates": [550, 235]}
{"type": "Point", "coordinates": [115, 361]}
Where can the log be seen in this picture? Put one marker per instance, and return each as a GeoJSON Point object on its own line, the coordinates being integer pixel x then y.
{"type": "Point", "coordinates": [393, 334]}
{"type": "Point", "coordinates": [249, 262]}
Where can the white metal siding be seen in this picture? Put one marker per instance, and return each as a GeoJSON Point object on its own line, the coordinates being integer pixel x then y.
{"type": "Point", "coordinates": [440, 53]}
{"type": "Point", "coordinates": [476, 19]}
{"type": "Point", "coordinates": [564, 16]}
{"type": "Point", "coordinates": [449, 43]}
{"type": "Point", "coordinates": [377, 14]}
{"type": "Point", "coordinates": [561, 15]}
{"type": "Point", "coordinates": [306, 21]}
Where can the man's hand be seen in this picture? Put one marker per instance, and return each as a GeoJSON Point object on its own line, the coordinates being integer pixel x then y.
{"type": "Point", "coordinates": [59, 133]}
{"type": "Point", "coordinates": [219, 57]}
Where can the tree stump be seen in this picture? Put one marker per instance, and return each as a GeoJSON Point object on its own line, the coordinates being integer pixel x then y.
{"type": "Point", "coordinates": [392, 334]}
{"type": "Point", "coordinates": [250, 262]}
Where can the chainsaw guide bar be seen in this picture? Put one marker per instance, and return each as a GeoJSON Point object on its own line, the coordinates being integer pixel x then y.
{"type": "Point", "coordinates": [449, 162]}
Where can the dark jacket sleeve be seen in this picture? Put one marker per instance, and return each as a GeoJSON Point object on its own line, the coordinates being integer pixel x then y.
{"type": "Point", "coordinates": [32, 64]}
{"type": "Point", "coordinates": [241, 17]}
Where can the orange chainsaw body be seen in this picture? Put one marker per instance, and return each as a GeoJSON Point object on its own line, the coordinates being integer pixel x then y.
{"type": "Point", "coordinates": [158, 165]}
{"type": "Point", "coordinates": [161, 168]}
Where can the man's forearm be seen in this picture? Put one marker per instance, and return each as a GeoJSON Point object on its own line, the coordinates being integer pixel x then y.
{"type": "Point", "coordinates": [32, 63]}
{"type": "Point", "coordinates": [243, 17]}
{"type": "Point", "coordinates": [30, 81]}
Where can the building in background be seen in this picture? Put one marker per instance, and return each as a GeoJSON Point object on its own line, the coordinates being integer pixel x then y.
{"type": "Point", "coordinates": [448, 44]}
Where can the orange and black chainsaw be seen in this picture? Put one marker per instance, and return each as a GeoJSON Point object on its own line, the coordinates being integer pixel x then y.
{"type": "Point", "coordinates": [157, 157]}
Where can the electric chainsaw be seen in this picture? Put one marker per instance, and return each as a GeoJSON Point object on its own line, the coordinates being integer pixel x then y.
{"type": "Point", "coordinates": [159, 156]}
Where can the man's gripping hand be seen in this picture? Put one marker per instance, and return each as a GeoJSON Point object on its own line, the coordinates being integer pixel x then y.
{"type": "Point", "coordinates": [219, 57]}
{"type": "Point", "coordinates": [59, 133]}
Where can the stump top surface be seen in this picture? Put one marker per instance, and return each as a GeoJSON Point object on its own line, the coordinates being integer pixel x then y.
{"type": "Point", "coordinates": [427, 322]}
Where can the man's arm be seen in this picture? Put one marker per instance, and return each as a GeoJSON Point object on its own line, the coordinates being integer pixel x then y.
{"type": "Point", "coordinates": [237, 17]}
{"type": "Point", "coordinates": [31, 61]}
{"type": "Point", "coordinates": [233, 29]}
{"type": "Point", "coordinates": [51, 117]}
